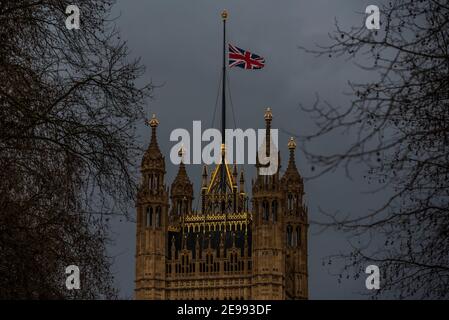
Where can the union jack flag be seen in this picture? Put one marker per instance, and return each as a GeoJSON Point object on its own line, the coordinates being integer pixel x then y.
{"type": "Point", "coordinates": [244, 59]}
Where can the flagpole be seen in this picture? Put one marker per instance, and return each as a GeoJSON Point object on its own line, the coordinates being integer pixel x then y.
{"type": "Point", "coordinates": [224, 16]}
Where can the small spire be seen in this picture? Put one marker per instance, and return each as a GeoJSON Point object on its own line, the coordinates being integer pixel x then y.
{"type": "Point", "coordinates": [268, 114]}
{"type": "Point", "coordinates": [153, 123]}
{"type": "Point", "coordinates": [291, 144]}
{"type": "Point", "coordinates": [204, 183]}
{"type": "Point", "coordinates": [182, 186]}
{"type": "Point", "coordinates": [268, 118]}
{"type": "Point", "coordinates": [181, 154]}
{"type": "Point", "coordinates": [242, 176]}
{"type": "Point", "coordinates": [242, 181]}
{"type": "Point", "coordinates": [153, 156]}
{"type": "Point", "coordinates": [223, 149]}
{"type": "Point", "coordinates": [292, 171]}
{"type": "Point", "coordinates": [292, 147]}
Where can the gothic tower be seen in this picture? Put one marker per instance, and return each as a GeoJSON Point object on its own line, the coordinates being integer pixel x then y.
{"type": "Point", "coordinates": [224, 249]}
{"type": "Point", "coordinates": [181, 193]}
{"type": "Point", "coordinates": [296, 227]}
{"type": "Point", "coordinates": [152, 221]}
{"type": "Point", "coordinates": [268, 229]}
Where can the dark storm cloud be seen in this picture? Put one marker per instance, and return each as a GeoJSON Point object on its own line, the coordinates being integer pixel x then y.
{"type": "Point", "coordinates": [180, 44]}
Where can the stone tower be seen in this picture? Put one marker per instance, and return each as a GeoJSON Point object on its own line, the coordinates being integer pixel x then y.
{"type": "Point", "coordinates": [296, 228]}
{"type": "Point", "coordinates": [268, 230]}
{"type": "Point", "coordinates": [152, 221]}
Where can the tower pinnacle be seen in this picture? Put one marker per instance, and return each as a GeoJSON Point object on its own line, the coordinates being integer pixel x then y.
{"type": "Point", "coordinates": [291, 144]}
{"type": "Point", "coordinates": [153, 122]}
{"type": "Point", "coordinates": [292, 171]}
{"type": "Point", "coordinates": [268, 114]}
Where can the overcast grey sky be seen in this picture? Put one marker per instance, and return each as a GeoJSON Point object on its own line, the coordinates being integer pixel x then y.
{"type": "Point", "coordinates": [180, 43]}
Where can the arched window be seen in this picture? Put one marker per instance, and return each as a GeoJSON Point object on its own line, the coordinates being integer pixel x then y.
{"type": "Point", "coordinates": [150, 181]}
{"type": "Point", "coordinates": [158, 217]}
{"type": "Point", "coordinates": [185, 206]}
{"type": "Point", "coordinates": [290, 202]}
{"type": "Point", "coordinates": [274, 210]}
{"type": "Point", "coordinates": [289, 235]}
{"type": "Point", "coordinates": [179, 207]}
{"type": "Point", "coordinates": [156, 181]}
{"type": "Point", "coordinates": [298, 236]}
{"type": "Point", "coordinates": [149, 219]}
{"type": "Point", "coordinates": [266, 210]}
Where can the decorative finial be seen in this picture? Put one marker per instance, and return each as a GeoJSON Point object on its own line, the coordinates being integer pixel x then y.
{"type": "Point", "coordinates": [204, 183]}
{"type": "Point", "coordinates": [268, 115]}
{"type": "Point", "coordinates": [223, 148]}
{"type": "Point", "coordinates": [292, 144]}
{"type": "Point", "coordinates": [181, 153]}
{"type": "Point", "coordinates": [154, 122]}
{"type": "Point", "coordinates": [242, 177]}
{"type": "Point", "coordinates": [224, 15]}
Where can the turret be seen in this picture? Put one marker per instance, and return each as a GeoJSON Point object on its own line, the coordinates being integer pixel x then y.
{"type": "Point", "coordinates": [296, 229]}
{"type": "Point", "coordinates": [181, 191]}
{"type": "Point", "coordinates": [268, 233]}
{"type": "Point", "coordinates": [152, 220]}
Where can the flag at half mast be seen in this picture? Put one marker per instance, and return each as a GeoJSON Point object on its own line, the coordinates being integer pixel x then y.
{"type": "Point", "coordinates": [244, 59]}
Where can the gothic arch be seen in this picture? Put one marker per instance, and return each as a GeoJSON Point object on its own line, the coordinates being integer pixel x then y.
{"type": "Point", "coordinates": [274, 210]}
{"type": "Point", "coordinates": [149, 217]}
{"type": "Point", "coordinates": [265, 210]}
{"type": "Point", "coordinates": [298, 236]}
{"type": "Point", "coordinates": [289, 235]}
{"type": "Point", "coordinates": [290, 202]}
{"type": "Point", "coordinates": [158, 217]}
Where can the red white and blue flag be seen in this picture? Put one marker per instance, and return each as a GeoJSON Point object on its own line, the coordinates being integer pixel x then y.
{"type": "Point", "coordinates": [244, 59]}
